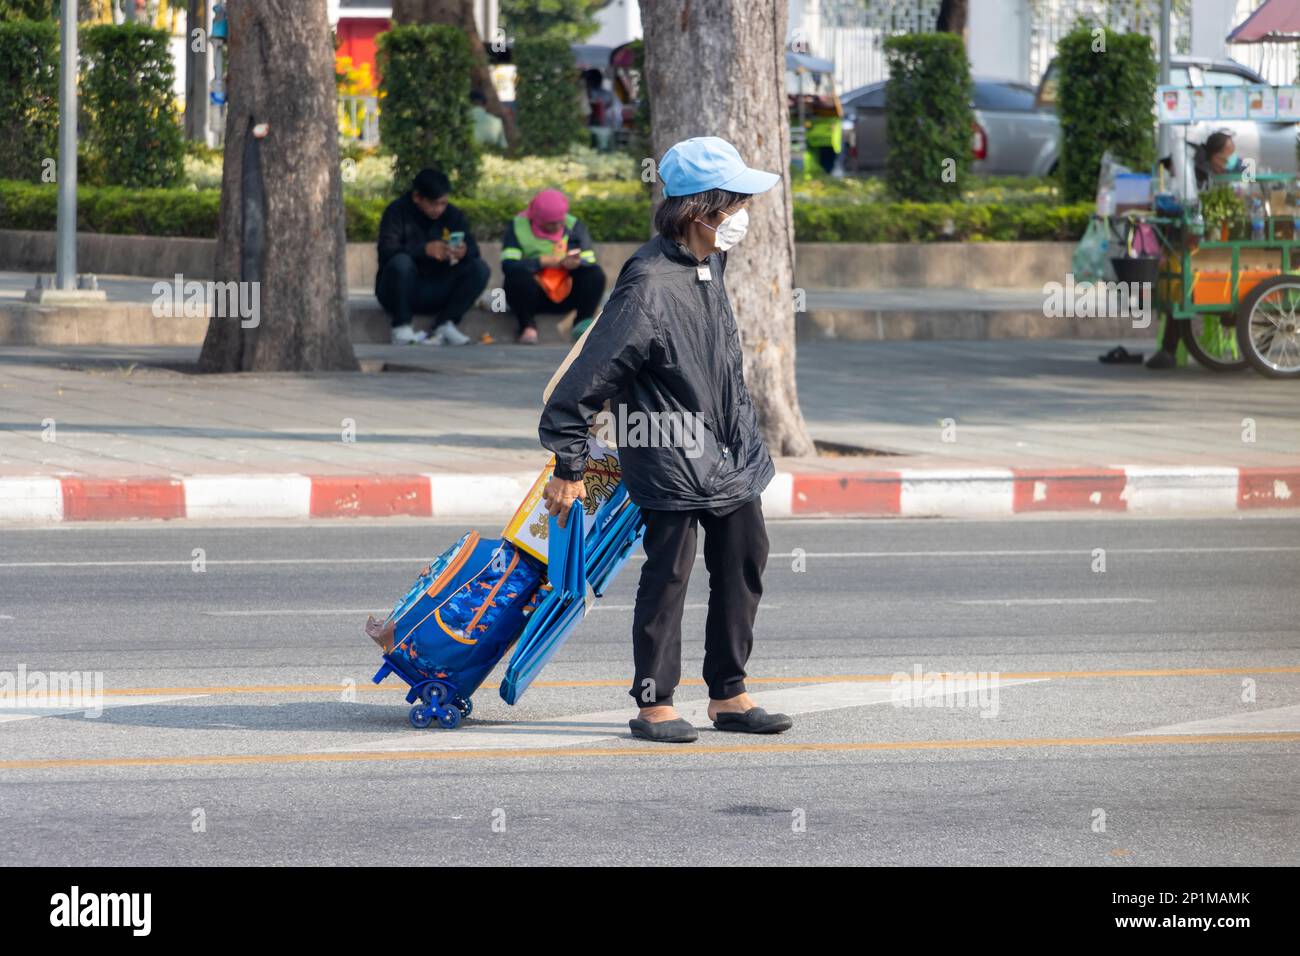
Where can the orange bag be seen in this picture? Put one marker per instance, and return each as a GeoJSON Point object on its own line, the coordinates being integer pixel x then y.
{"type": "Point", "coordinates": [556, 282]}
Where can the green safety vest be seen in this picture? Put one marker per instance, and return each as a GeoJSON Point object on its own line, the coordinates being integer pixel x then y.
{"type": "Point", "coordinates": [531, 246]}
{"type": "Point", "coordinates": [825, 131]}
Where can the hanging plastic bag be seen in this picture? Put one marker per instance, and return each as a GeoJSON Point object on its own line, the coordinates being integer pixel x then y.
{"type": "Point", "coordinates": [1091, 255]}
{"type": "Point", "coordinates": [1142, 241]}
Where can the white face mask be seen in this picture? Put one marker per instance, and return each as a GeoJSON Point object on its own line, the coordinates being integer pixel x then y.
{"type": "Point", "coordinates": [730, 231]}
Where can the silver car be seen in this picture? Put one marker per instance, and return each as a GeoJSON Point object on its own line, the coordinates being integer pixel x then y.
{"type": "Point", "coordinates": [1012, 135]}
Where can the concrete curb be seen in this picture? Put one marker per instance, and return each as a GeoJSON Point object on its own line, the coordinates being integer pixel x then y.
{"type": "Point", "coordinates": [977, 493]}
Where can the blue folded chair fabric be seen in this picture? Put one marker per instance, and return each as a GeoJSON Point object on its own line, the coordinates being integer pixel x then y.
{"type": "Point", "coordinates": [579, 568]}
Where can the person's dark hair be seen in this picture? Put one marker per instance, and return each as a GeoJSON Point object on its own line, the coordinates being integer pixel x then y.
{"type": "Point", "coordinates": [676, 213]}
{"type": "Point", "coordinates": [431, 183]}
{"type": "Point", "coordinates": [593, 78]}
{"type": "Point", "coordinates": [1215, 142]}
{"type": "Point", "coordinates": [477, 97]}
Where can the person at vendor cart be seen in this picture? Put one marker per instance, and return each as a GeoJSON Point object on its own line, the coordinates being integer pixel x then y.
{"type": "Point", "coordinates": [1215, 157]}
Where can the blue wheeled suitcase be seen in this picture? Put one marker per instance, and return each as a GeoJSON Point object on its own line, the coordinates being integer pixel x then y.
{"type": "Point", "coordinates": [480, 598]}
{"type": "Point", "coordinates": [462, 615]}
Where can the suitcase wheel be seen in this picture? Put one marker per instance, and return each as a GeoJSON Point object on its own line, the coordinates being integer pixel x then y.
{"type": "Point", "coordinates": [449, 717]}
{"type": "Point", "coordinates": [466, 707]}
{"type": "Point", "coordinates": [421, 717]}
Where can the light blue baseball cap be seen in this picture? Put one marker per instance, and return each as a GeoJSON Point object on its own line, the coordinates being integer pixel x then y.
{"type": "Point", "coordinates": [707, 162]}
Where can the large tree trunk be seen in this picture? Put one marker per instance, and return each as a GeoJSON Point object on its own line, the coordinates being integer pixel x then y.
{"type": "Point", "coordinates": [281, 223]}
{"type": "Point", "coordinates": [717, 68]}
{"type": "Point", "coordinates": [460, 13]}
{"type": "Point", "coordinates": [952, 17]}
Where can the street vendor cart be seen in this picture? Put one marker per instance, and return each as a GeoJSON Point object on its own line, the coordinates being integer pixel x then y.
{"type": "Point", "coordinates": [1234, 276]}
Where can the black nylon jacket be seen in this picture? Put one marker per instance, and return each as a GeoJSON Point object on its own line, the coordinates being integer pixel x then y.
{"type": "Point", "coordinates": [404, 228]}
{"type": "Point", "coordinates": [665, 342]}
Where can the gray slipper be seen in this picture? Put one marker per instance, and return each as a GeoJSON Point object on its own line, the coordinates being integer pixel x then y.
{"type": "Point", "coordinates": [754, 721]}
{"type": "Point", "coordinates": [677, 731]}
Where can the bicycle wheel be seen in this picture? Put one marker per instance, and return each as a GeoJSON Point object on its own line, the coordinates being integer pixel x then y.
{"type": "Point", "coordinates": [1212, 341]}
{"type": "Point", "coordinates": [1268, 327]}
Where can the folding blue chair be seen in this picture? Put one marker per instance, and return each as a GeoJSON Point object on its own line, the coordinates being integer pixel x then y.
{"type": "Point", "coordinates": [577, 563]}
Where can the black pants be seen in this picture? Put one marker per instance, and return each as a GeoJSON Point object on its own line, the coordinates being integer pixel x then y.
{"type": "Point", "coordinates": [826, 157]}
{"type": "Point", "coordinates": [735, 554]}
{"type": "Point", "coordinates": [526, 298]}
{"type": "Point", "coordinates": [1171, 336]}
{"type": "Point", "coordinates": [403, 292]}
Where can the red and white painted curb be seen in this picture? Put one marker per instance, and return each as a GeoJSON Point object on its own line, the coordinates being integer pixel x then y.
{"type": "Point", "coordinates": [979, 493]}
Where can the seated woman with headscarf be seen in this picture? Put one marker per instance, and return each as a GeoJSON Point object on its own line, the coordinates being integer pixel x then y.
{"type": "Point", "coordinates": [550, 265]}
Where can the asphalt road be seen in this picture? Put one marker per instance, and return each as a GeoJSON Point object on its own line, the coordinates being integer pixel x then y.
{"type": "Point", "coordinates": [1144, 714]}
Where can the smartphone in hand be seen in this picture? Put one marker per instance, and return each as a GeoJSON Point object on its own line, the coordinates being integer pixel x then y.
{"type": "Point", "coordinates": [455, 247]}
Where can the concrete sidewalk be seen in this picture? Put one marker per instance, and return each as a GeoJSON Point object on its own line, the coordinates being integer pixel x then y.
{"type": "Point", "coordinates": [942, 428]}
{"type": "Point", "coordinates": [129, 319]}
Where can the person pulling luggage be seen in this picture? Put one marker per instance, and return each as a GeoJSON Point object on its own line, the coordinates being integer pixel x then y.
{"type": "Point", "coordinates": [666, 349]}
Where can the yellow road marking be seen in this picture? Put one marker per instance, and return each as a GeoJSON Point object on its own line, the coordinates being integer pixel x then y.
{"type": "Point", "coordinates": [644, 751]}
{"type": "Point", "coordinates": [696, 682]}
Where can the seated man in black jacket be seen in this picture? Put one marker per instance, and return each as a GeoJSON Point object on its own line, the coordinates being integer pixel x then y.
{"type": "Point", "coordinates": [429, 262]}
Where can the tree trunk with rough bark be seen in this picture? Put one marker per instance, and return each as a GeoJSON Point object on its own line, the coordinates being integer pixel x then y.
{"type": "Point", "coordinates": [281, 222]}
{"type": "Point", "coordinates": [460, 13]}
{"type": "Point", "coordinates": [952, 17]}
{"type": "Point", "coordinates": [717, 68]}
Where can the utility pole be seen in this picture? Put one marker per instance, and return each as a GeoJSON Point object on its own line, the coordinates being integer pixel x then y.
{"type": "Point", "coordinates": [196, 71]}
{"type": "Point", "coordinates": [65, 285]}
{"type": "Point", "coordinates": [1163, 146]}
{"type": "Point", "coordinates": [66, 267]}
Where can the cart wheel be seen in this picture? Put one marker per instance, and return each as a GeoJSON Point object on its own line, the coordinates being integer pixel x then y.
{"type": "Point", "coordinates": [431, 693]}
{"type": "Point", "coordinates": [421, 717]}
{"type": "Point", "coordinates": [1212, 340]}
{"type": "Point", "coordinates": [1268, 327]}
{"type": "Point", "coordinates": [449, 718]}
{"type": "Point", "coordinates": [466, 707]}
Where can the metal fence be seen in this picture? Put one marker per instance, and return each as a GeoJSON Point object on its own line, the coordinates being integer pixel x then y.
{"type": "Point", "coordinates": [359, 119]}
{"type": "Point", "coordinates": [852, 33]}
{"type": "Point", "coordinates": [1052, 19]}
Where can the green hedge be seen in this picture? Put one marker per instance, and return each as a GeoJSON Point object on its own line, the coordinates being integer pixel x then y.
{"type": "Point", "coordinates": [29, 98]}
{"type": "Point", "coordinates": [186, 212]}
{"type": "Point", "coordinates": [28, 10]}
{"type": "Point", "coordinates": [424, 119]}
{"type": "Point", "coordinates": [908, 221]}
{"type": "Point", "coordinates": [133, 135]}
{"type": "Point", "coordinates": [117, 210]}
{"type": "Point", "coordinates": [1105, 99]}
{"type": "Point", "coordinates": [928, 119]}
{"type": "Point", "coordinates": [546, 96]}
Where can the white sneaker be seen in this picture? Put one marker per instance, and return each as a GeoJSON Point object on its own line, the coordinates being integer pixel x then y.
{"type": "Point", "coordinates": [406, 335]}
{"type": "Point", "coordinates": [448, 334]}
